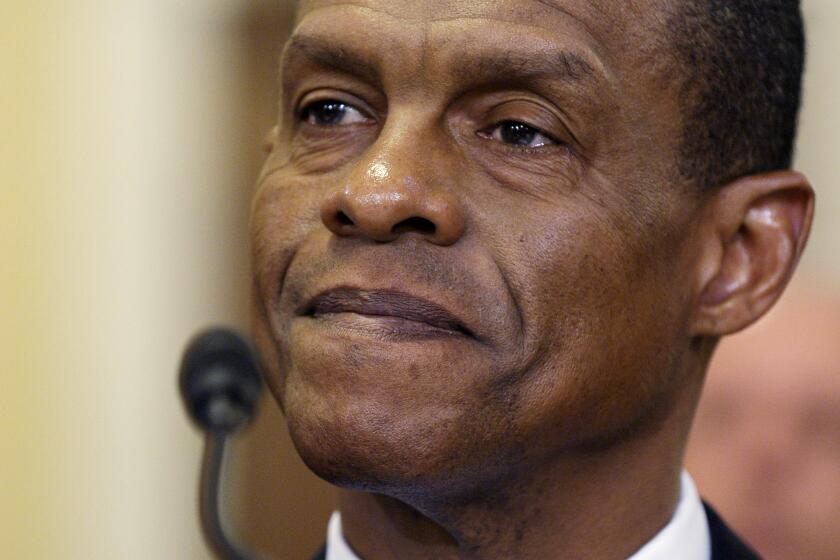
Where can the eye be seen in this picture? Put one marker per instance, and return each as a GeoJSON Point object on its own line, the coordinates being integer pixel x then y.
{"type": "Point", "coordinates": [519, 135]}
{"type": "Point", "coordinates": [331, 112]}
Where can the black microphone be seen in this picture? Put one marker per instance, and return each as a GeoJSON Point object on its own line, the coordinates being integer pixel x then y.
{"type": "Point", "coordinates": [220, 384]}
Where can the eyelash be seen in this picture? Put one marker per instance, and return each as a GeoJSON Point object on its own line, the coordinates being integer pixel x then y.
{"type": "Point", "coordinates": [304, 113]}
{"type": "Point", "coordinates": [489, 133]}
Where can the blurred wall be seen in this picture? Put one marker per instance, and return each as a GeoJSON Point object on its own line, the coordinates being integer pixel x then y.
{"type": "Point", "coordinates": [126, 169]}
{"type": "Point", "coordinates": [129, 138]}
{"type": "Point", "coordinates": [819, 142]}
{"type": "Point", "coordinates": [26, 487]}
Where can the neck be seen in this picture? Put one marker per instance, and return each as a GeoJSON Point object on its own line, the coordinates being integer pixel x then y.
{"type": "Point", "coordinates": [594, 505]}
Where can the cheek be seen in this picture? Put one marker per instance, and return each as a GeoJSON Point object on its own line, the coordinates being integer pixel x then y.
{"type": "Point", "coordinates": [284, 213]}
{"type": "Point", "coordinates": [602, 325]}
{"type": "Point", "coordinates": [393, 419]}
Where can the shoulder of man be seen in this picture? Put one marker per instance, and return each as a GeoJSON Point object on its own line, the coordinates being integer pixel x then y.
{"type": "Point", "coordinates": [725, 544]}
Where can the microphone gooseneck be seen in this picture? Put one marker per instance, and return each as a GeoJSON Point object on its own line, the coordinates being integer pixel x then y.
{"type": "Point", "coordinates": [220, 384]}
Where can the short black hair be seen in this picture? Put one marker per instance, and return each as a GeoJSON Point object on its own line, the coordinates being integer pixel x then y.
{"type": "Point", "coordinates": [741, 66]}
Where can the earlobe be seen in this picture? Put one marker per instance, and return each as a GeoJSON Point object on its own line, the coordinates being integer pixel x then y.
{"type": "Point", "coordinates": [758, 229]}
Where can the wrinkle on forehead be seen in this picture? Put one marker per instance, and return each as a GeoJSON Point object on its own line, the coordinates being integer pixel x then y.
{"type": "Point", "coordinates": [409, 12]}
{"type": "Point", "coordinates": [571, 65]}
{"type": "Point", "coordinates": [555, 5]}
{"type": "Point", "coordinates": [419, 17]}
{"type": "Point", "coordinates": [609, 29]}
{"type": "Point", "coordinates": [431, 11]}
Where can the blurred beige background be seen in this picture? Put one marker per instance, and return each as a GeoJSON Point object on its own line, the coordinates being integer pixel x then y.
{"type": "Point", "coordinates": [129, 139]}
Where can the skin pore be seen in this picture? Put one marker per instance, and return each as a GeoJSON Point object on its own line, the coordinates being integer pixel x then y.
{"type": "Point", "coordinates": [484, 297]}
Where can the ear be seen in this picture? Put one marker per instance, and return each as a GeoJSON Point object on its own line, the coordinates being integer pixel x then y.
{"type": "Point", "coordinates": [270, 140]}
{"type": "Point", "coordinates": [754, 232]}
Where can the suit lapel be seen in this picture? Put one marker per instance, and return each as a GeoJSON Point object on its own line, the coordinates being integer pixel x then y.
{"type": "Point", "coordinates": [725, 544]}
{"type": "Point", "coordinates": [321, 555]}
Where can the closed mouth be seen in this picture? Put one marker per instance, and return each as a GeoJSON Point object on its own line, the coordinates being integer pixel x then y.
{"type": "Point", "coordinates": [428, 317]}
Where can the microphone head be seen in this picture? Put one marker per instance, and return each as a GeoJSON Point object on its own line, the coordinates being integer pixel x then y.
{"type": "Point", "coordinates": [220, 380]}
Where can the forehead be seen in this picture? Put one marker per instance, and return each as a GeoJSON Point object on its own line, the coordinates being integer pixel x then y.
{"type": "Point", "coordinates": [611, 31]}
{"type": "Point", "coordinates": [447, 10]}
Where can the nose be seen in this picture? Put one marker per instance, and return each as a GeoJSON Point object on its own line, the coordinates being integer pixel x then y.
{"type": "Point", "coordinates": [383, 201]}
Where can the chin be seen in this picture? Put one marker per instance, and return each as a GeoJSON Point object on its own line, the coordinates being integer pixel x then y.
{"type": "Point", "coordinates": [362, 445]}
{"type": "Point", "coordinates": [389, 416]}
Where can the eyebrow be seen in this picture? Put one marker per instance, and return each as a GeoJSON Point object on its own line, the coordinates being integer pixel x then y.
{"type": "Point", "coordinates": [512, 66]}
{"type": "Point", "coordinates": [495, 65]}
{"type": "Point", "coordinates": [329, 55]}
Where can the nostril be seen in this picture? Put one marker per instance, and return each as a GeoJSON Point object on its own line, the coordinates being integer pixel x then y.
{"type": "Point", "coordinates": [421, 225]}
{"type": "Point", "coordinates": [343, 219]}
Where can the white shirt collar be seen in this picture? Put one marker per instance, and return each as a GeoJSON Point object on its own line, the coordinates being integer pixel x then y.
{"type": "Point", "coordinates": [337, 547]}
{"type": "Point", "coordinates": [685, 537]}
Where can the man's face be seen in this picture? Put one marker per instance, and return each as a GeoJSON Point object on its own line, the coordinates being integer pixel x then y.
{"type": "Point", "coordinates": [470, 250]}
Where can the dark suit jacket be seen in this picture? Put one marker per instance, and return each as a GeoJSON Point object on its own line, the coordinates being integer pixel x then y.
{"type": "Point", "coordinates": [725, 545]}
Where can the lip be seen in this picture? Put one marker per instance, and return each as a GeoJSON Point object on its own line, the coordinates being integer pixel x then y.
{"type": "Point", "coordinates": [403, 313]}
